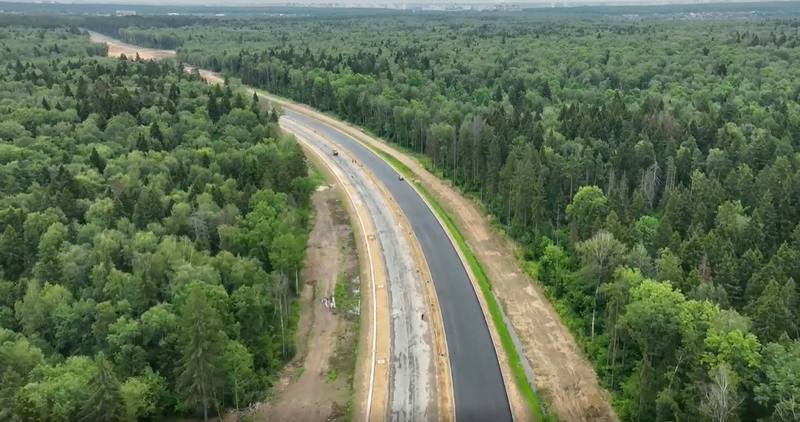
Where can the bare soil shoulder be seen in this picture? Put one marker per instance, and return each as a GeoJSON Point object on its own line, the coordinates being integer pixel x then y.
{"type": "Point", "coordinates": [317, 384]}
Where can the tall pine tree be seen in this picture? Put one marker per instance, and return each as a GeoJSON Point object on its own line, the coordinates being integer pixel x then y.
{"type": "Point", "coordinates": [105, 403]}
{"type": "Point", "coordinates": [202, 346]}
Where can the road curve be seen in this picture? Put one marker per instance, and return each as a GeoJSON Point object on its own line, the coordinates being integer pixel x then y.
{"type": "Point", "coordinates": [478, 388]}
{"type": "Point", "coordinates": [412, 383]}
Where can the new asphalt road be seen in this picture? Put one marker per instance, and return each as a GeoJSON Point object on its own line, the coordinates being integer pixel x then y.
{"type": "Point", "coordinates": [479, 391]}
{"type": "Point", "coordinates": [412, 383]}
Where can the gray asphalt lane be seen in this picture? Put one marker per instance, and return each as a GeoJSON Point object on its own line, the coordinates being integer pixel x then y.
{"type": "Point", "coordinates": [412, 384]}
{"type": "Point", "coordinates": [479, 392]}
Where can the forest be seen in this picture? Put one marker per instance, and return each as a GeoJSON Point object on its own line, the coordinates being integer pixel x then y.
{"type": "Point", "coordinates": [650, 166]}
{"type": "Point", "coordinates": [151, 232]}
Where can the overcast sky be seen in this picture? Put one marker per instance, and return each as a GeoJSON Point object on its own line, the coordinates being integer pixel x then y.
{"type": "Point", "coordinates": [224, 3]}
{"type": "Point", "coordinates": [267, 2]}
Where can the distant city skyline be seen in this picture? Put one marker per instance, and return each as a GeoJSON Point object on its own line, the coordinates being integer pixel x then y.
{"type": "Point", "coordinates": [379, 3]}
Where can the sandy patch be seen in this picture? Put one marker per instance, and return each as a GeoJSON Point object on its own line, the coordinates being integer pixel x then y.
{"type": "Point", "coordinates": [117, 48]}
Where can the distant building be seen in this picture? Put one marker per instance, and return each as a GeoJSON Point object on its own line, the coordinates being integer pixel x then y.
{"type": "Point", "coordinates": [125, 13]}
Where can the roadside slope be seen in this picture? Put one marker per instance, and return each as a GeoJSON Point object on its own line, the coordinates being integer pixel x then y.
{"type": "Point", "coordinates": [562, 374]}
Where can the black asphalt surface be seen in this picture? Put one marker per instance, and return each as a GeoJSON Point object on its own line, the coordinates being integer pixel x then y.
{"type": "Point", "coordinates": [479, 392]}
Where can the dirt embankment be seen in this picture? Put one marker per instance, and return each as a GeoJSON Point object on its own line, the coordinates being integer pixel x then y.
{"type": "Point", "coordinates": [562, 373]}
{"type": "Point", "coordinates": [316, 386]}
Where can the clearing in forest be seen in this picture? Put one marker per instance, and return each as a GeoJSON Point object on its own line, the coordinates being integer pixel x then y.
{"type": "Point", "coordinates": [117, 48]}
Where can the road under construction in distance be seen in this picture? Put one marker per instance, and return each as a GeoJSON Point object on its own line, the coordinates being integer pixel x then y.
{"type": "Point", "coordinates": [478, 386]}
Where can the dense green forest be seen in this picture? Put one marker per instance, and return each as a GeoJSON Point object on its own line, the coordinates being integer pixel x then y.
{"type": "Point", "coordinates": [151, 231]}
{"type": "Point", "coordinates": [650, 166]}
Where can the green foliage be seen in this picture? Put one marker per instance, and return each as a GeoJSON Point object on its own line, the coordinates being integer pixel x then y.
{"type": "Point", "coordinates": [653, 318]}
{"type": "Point", "coordinates": [143, 396]}
{"type": "Point", "coordinates": [105, 402]}
{"type": "Point", "coordinates": [587, 209]}
{"type": "Point", "coordinates": [20, 44]}
{"type": "Point", "coordinates": [237, 365]}
{"type": "Point", "coordinates": [661, 148]}
{"type": "Point", "coordinates": [772, 312]}
{"type": "Point", "coordinates": [674, 163]}
{"type": "Point", "coordinates": [144, 249]}
{"type": "Point", "coordinates": [18, 358]}
{"type": "Point", "coordinates": [202, 341]}
{"type": "Point", "coordinates": [57, 392]}
{"type": "Point", "coordinates": [651, 167]}
{"type": "Point", "coordinates": [780, 386]}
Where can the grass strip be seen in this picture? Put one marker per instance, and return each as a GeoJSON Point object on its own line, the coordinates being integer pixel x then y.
{"type": "Point", "coordinates": [514, 359]}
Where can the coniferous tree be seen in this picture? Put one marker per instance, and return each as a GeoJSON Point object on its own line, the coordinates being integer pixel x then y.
{"type": "Point", "coordinates": [97, 161]}
{"type": "Point", "coordinates": [214, 112]}
{"type": "Point", "coordinates": [772, 313]}
{"type": "Point", "coordinates": [156, 135]}
{"type": "Point", "coordinates": [105, 403]}
{"type": "Point", "coordinates": [141, 143]}
{"type": "Point", "coordinates": [202, 346]}
{"type": "Point", "coordinates": [255, 106]}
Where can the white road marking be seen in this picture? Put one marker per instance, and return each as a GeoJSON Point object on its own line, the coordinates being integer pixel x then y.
{"type": "Point", "coordinates": [371, 271]}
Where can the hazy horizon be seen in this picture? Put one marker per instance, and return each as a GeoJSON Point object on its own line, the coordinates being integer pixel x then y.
{"type": "Point", "coordinates": [257, 3]}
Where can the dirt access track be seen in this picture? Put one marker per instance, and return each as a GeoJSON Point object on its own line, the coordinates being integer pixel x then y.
{"type": "Point", "coordinates": [414, 375]}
